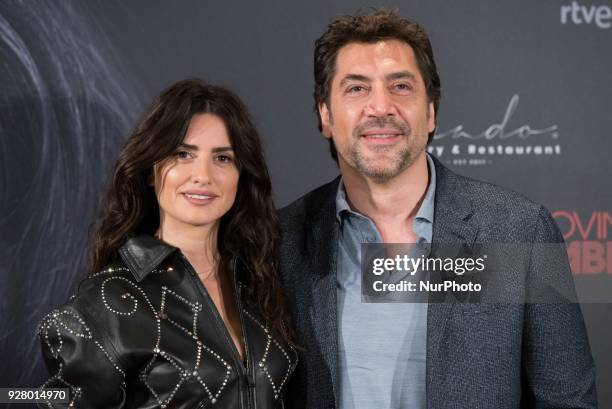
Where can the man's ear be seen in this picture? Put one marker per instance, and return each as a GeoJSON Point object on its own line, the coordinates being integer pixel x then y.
{"type": "Point", "coordinates": [325, 120]}
{"type": "Point", "coordinates": [431, 118]}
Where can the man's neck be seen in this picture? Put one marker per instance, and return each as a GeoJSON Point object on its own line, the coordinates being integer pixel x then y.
{"type": "Point", "coordinates": [392, 205]}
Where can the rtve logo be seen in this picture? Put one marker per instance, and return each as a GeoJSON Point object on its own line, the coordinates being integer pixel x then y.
{"type": "Point", "coordinates": [601, 16]}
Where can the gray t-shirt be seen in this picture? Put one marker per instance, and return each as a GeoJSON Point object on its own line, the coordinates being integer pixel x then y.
{"type": "Point", "coordinates": [381, 346]}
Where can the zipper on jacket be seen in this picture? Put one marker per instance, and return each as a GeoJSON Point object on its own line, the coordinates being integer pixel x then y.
{"type": "Point", "coordinates": [250, 375]}
{"type": "Point", "coordinates": [242, 370]}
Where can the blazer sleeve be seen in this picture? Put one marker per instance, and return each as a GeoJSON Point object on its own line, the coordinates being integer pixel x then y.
{"type": "Point", "coordinates": [78, 358]}
{"type": "Point", "coordinates": [558, 369]}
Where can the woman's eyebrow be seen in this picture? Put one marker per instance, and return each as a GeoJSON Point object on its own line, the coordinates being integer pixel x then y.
{"type": "Point", "coordinates": [188, 146]}
{"type": "Point", "coordinates": [222, 149]}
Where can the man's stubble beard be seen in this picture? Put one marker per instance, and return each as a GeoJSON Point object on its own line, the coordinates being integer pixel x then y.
{"type": "Point", "coordinates": [400, 161]}
{"type": "Point", "coordinates": [397, 164]}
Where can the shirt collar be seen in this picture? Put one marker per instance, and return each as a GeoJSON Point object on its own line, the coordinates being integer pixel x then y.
{"type": "Point", "coordinates": [342, 205]}
{"type": "Point", "coordinates": [425, 212]}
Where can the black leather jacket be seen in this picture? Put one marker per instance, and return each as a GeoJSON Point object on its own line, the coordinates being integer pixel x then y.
{"type": "Point", "coordinates": [145, 334]}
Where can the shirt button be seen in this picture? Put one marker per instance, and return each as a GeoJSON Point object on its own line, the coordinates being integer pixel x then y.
{"type": "Point", "coordinates": [370, 239]}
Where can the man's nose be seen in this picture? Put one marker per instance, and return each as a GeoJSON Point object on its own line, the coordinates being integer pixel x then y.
{"type": "Point", "coordinates": [380, 103]}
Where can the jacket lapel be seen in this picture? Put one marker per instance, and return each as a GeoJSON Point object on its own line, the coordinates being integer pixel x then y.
{"type": "Point", "coordinates": [322, 249]}
{"type": "Point", "coordinates": [453, 225]}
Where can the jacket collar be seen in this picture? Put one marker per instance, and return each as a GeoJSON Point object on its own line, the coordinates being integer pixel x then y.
{"type": "Point", "coordinates": [143, 253]}
{"type": "Point", "coordinates": [453, 208]}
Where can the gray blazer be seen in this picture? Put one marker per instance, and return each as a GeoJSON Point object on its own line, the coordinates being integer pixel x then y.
{"type": "Point", "coordinates": [505, 356]}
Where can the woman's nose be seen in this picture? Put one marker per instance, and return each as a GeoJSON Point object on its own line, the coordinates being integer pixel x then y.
{"type": "Point", "coordinates": [201, 172]}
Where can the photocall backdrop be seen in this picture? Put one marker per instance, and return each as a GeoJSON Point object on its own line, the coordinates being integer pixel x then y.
{"type": "Point", "coordinates": [525, 104]}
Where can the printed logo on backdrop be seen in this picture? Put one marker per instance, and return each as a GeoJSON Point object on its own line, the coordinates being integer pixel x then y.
{"type": "Point", "coordinates": [587, 237]}
{"type": "Point", "coordinates": [578, 14]}
{"type": "Point", "coordinates": [507, 137]}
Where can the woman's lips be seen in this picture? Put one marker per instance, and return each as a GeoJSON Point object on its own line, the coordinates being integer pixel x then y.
{"type": "Point", "coordinates": [199, 198]}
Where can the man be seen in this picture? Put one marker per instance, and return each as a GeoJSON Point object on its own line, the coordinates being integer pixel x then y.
{"type": "Point", "coordinates": [377, 93]}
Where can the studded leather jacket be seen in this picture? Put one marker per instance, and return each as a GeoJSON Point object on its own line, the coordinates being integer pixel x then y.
{"type": "Point", "coordinates": [144, 333]}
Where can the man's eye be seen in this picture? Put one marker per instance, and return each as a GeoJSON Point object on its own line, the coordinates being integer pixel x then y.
{"type": "Point", "coordinates": [403, 87]}
{"type": "Point", "coordinates": [355, 89]}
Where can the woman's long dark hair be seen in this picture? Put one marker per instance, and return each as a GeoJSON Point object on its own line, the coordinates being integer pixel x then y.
{"type": "Point", "coordinates": [248, 231]}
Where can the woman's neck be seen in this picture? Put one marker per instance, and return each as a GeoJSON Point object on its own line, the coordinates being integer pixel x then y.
{"type": "Point", "coordinates": [197, 243]}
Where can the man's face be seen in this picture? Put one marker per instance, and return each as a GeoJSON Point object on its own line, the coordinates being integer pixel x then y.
{"type": "Point", "coordinates": [379, 116]}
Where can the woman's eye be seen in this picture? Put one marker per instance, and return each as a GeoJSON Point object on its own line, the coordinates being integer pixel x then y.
{"type": "Point", "coordinates": [183, 154]}
{"type": "Point", "coordinates": [224, 158]}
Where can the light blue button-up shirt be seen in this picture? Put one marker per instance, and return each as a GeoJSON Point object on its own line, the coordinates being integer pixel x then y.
{"type": "Point", "coordinates": [381, 346]}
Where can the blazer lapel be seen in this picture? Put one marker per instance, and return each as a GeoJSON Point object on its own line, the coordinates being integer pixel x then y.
{"type": "Point", "coordinates": [322, 248]}
{"type": "Point", "coordinates": [453, 226]}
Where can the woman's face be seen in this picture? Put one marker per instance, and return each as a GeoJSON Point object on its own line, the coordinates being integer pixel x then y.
{"type": "Point", "coordinates": [198, 184]}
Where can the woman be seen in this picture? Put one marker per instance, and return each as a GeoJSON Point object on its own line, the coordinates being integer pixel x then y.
{"type": "Point", "coordinates": [183, 308]}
